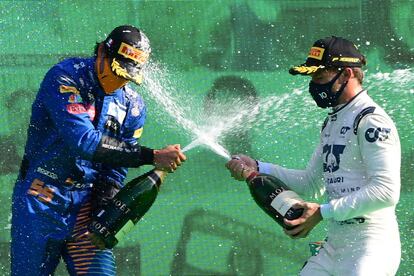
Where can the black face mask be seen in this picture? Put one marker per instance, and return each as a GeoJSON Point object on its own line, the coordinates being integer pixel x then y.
{"type": "Point", "coordinates": [322, 93]}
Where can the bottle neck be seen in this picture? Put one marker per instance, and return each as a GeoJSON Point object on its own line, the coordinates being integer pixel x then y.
{"type": "Point", "coordinates": [161, 174]}
{"type": "Point", "coordinates": [250, 175]}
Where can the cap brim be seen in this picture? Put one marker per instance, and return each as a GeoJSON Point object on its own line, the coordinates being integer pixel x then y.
{"type": "Point", "coordinates": [127, 70]}
{"type": "Point", "coordinates": [304, 69]}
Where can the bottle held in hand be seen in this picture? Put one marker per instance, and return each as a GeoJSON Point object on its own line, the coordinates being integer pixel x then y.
{"type": "Point", "coordinates": [273, 196]}
{"type": "Point", "coordinates": [113, 221]}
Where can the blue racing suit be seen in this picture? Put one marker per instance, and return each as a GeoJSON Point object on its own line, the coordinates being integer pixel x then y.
{"type": "Point", "coordinates": [78, 138]}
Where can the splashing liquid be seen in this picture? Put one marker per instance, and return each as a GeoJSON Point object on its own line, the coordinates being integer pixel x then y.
{"type": "Point", "coordinates": [233, 115]}
{"type": "Point", "coordinates": [230, 115]}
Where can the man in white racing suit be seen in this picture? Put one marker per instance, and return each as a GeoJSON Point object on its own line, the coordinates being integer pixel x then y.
{"type": "Point", "coordinates": [356, 165]}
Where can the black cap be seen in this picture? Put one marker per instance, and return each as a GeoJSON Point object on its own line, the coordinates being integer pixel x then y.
{"type": "Point", "coordinates": [330, 52]}
{"type": "Point", "coordinates": [129, 49]}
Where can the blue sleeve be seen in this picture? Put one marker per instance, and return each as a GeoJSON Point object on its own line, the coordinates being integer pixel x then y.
{"type": "Point", "coordinates": [71, 116]}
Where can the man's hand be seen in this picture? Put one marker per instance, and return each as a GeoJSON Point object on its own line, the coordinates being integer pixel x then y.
{"type": "Point", "coordinates": [250, 162]}
{"type": "Point", "coordinates": [241, 166]}
{"type": "Point", "coordinates": [169, 158]}
{"type": "Point", "coordinates": [302, 226]}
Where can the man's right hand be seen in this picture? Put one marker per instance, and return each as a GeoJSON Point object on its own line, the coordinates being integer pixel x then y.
{"type": "Point", "coordinates": [169, 158]}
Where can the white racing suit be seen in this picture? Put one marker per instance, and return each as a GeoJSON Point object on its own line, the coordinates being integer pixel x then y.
{"type": "Point", "coordinates": [357, 166]}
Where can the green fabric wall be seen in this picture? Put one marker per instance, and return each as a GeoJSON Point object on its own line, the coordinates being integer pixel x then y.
{"type": "Point", "coordinates": [204, 222]}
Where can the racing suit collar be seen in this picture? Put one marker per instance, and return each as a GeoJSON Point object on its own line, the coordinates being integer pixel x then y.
{"type": "Point", "coordinates": [349, 103]}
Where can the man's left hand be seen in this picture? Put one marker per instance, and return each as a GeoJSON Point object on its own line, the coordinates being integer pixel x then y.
{"type": "Point", "coordinates": [241, 166]}
{"type": "Point", "coordinates": [302, 226]}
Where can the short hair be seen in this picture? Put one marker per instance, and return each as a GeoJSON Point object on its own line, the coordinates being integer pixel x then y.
{"type": "Point", "coordinates": [96, 48]}
{"type": "Point", "coordinates": [359, 74]}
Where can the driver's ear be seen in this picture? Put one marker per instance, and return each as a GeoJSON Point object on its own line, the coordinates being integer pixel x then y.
{"type": "Point", "coordinates": [349, 73]}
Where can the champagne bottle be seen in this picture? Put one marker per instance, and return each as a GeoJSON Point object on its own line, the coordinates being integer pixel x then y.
{"type": "Point", "coordinates": [274, 197]}
{"type": "Point", "coordinates": [114, 220]}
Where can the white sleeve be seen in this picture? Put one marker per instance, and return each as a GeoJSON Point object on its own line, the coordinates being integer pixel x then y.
{"type": "Point", "coordinates": [379, 145]}
{"type": "Point", "coordinates": [304, 182]}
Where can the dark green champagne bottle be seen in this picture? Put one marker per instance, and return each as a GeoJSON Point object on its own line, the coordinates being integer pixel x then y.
{"type": "Point", "coordinates": [114, 220]}
{"type": "Point", "coordinates": [274, 197]}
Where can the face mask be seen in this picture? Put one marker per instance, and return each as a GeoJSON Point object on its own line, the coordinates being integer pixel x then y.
{"type": "Point", "coordinates": [322, 93]}
{"type": "Point", "coordinates": [107, 79]}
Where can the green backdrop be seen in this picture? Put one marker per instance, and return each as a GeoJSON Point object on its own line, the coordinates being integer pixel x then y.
{"type": "Point", "coordinates": [204, 222]}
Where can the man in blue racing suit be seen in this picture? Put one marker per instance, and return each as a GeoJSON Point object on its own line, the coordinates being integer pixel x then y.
{"type": "Point", "coordinates": [82, 137]}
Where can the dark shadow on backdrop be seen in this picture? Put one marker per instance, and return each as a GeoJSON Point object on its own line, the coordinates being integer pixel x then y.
{"type": "Point", "coordinates": [245, 256]}
{"type": "Point", "coordinates": [18, 113]}
{"type": "Point", "coordinates": [228, 92]}
{"type": "Point", "coordinates": [407, 172]}
{"type": "Point", "coordinates": [380, 24]}
{"type": "Point", "coordinates": [243, 41]}
{"type": "Point", "coordinates": [9, 158]}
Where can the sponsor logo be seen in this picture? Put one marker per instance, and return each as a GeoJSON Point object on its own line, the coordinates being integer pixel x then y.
{"type": "Point", "coordinates": [74, 98]}
{"type": "Point", "coordinates": [68, 89]}
{"type": "Point", "coordinates": [340, 191]}
{"type": "Point", "coordinates": [344, 130]}
{"type": "Point", "coordinates": [47, 173]}
{"type": "Point", "coordinates": [323, 95]}
{"type": "Point", "coordinates": [346, 59]}
{"type": "Point", "coordinates": [121, 206]}
{"type": "Point", "coordinates": [349, 190]}
{"type": "Point", "coordinates": [76, 108]}
{"type": "Point", "coordinates": [372, 134]}
{"type": "Point", "coordinates": [91, 112]}
{"type": "Point", "coordinates": [351, 221]}
{"type": "Point", "coordinates": [331, 157]}
{"type": "Point", "coordinates": [112, 125]}
{"type": "Point", "coordinates": [78, 66]}
{"type": "Point", "coordinates": [100, 228]}
{"type": "Point", "coordinates": [75, 184]}
{"type": "Point", "coordinates": [109, 42]}
{"type": "Point", "coordinates": [112, 147]}
{"type": "Point", "coordinates": [138, 133]}
{"type": "Point", "coordinates": [39, 190]}
{"type": "Point", "coordinates": [316, 53]}
{"type": "Point", "coordinates": [133, 53]}
{"type": "Point", "coordinates": [276, 192]}
{"type": "Point", "coordinates": [91, 97]}
{"type": "Point", "coordinates": [135, 111]}
{"type": "Point", "coordinates": [333, 180]}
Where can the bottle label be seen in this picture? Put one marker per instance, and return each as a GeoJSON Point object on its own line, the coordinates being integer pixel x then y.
{"type": "Point", "coordinates": [98, 227]}
{"type": "Point", "coordinates": [284, 201]}
{"type": "Point", "coordinates": [124, 230]}
{"type": "Point", "coordinates": [120, 205]}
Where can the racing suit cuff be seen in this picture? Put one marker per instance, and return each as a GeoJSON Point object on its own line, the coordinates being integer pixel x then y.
{"type": "Point", "coordinates": [263, 167]}
{"type": "Point", "coordinates": [326, 211]}
{"type": "Point", "coordinates": [122, 154]}
{"type": "Point", "coordinates": [147, 155]}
